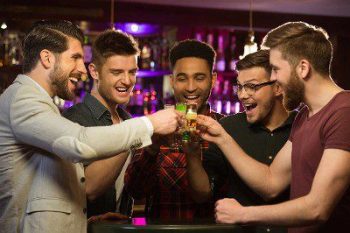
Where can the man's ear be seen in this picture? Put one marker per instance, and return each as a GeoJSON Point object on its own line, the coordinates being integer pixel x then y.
{"type": "Point", "coordinates": [93, 71]}
{"type": "Point", "coordinates": [303, 69]}
{"type": "Point", "coordinates": [214, 77]}
{"type": "Point", "coordinates": [277, 89]}
{"type": "Point", "coordinates": [47, 59]}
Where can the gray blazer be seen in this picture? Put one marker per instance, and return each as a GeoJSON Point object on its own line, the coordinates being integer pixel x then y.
{"type": "Point", "coordinates": [41, 180]}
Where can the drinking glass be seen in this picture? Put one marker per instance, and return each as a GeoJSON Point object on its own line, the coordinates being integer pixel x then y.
{"type": "Point", "coordinates": [173, 144]}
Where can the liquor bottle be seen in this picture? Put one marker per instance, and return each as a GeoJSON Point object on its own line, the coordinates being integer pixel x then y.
{"type": "Point", "coordinates": [87, 49]}
{"type": "Point", "coordinates": [215, 97]}
{"type": "Point", "coordinates": [199, 36]}
{"type": "Point", "coordinates": [233, 59]}
{"type": "Point", "coordinates": [164, 53]}
{"type": "Point", "coordinates": [226, 97]}
{"type": "Point", "coordinates": [146, 56]}
{"type": "Point", "coordinates": [220, 61]}
{"type": "Point", "coordinates": [14, 53]}
{"type": "Point", "coordinates": [210, 39]}
{"type": "Point", "coordinates": [153, 99]}
{"type": "Point", "coordinates": [156, 61]}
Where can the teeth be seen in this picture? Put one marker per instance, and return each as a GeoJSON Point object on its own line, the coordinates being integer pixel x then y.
{"type": "Point", "coordinates": [191, 97]}
{"type": "Point", "coordinates": [249, 106]}
{"type": "Point", "coordinates": [74, 80]}
{"type": "Point", "coordinates": [122, 89]}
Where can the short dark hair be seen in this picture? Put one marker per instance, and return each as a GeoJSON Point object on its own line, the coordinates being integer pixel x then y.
{"type": "Point", "coordinates": [299, 40]}
{"type": "Point", "coordinates": [257, 59]}
{"type": "Point", "coordinates": [113, 42]}
{"type": "Point", "coordinates": [47, 34]}
{"type": "Point", "coordinates": [192, 48]}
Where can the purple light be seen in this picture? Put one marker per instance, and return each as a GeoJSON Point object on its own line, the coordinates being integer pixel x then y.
{"type": "Point", "coordinates": [134, 27]}
{"type": "Point", "coordinates": [138, 29]}
{"type": "Point", "coordinates": [139, 221]}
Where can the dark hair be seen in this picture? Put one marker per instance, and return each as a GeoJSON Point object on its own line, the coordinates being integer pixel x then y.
{"type": "Point", "coordinates": [257, 59]}
{"type": "Point", "coordinates": [192, 48]}
{"type": "Point", "coordinates": [112, 42]}
{"type": "Point", "coordinates": [299, 40]}
{"type": "Point", "coordinates": [50, 35]}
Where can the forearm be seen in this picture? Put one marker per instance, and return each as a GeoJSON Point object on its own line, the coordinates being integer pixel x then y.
{"type": "Point", "coordinates": [102, 174]}
{"type": "Point", "coordinates": [198, 180]}
{"type": "Point", "coordinates": [73, 142]}
{"type": "Point", "coordinates": [299, 212]}
{"type": "Point", "coordinates": [255, 174]}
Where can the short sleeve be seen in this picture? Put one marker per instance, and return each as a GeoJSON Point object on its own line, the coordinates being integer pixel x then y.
{"type": "Point", "coordinates": [337, 130]}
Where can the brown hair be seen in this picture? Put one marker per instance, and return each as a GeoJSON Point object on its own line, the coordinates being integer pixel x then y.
{"type": "Point", "coordinates": [299, 40]}
{"type": "Point", "coordinates": [257, 59]}
{"type": "Point", "coordinates": [110, 43]}
{"type": "Point", "coordinates": [52, 35]}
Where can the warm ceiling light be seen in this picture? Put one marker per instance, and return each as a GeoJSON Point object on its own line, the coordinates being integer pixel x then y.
{"type": "Point", "coordinates": [3, 26]}
{"type": "Point", "coordinates": [250, 45]}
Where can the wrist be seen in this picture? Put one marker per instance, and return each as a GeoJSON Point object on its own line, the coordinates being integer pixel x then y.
{"type": "Point", "coordinates": [223, 140]}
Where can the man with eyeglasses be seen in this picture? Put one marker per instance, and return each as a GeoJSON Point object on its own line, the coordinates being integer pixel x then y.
{"type": "Point", "coordinates": [261, 130]}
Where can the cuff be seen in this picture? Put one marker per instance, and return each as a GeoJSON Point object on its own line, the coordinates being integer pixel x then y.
{"type": "Point", "coordinates": [148, 125]}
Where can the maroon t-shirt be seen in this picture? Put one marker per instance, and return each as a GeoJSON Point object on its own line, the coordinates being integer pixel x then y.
{"type": "Point", "coordinates": [327, 129]}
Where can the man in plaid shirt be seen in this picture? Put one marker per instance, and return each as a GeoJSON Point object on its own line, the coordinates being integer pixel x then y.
{"type": "Point", "coordinates": [159, 172]}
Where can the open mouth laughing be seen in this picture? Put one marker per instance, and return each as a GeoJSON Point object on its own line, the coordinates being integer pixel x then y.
{"type": "Point", "coordinates": [249, 107]}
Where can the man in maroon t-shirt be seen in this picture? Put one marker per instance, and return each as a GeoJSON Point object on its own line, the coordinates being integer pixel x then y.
{"type": "Point", "coordinates": [316, 158]}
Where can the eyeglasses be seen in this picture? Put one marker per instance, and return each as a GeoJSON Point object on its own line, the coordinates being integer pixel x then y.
{"type": "Point", "coordinates": [251, 88]}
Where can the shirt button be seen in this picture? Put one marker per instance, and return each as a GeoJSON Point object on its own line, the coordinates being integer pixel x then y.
{"type": "Point", "coordinates": [82, 179]}
{"type": "Point", "coordinates": [271, 134]}
{"type": "Point", "coordinates": [84, 210]}
{"type": "Point", "coordinates": [270, 157]}
{"type": "Point", "coordinates": [268, 229]}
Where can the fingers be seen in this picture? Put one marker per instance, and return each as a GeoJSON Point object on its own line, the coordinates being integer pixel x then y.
{"type": "Point", "coordinates": [107, 216]}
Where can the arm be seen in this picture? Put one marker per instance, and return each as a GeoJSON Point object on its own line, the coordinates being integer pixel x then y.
{"type": "Point", "coordinates": [36, 121]}
{"type": "Point", "coordinates": [314, 208]}
{"type": "Point", "coordinates": [102, 174]}
{"type": "Point", "coordinates": [267, 181]}
{"type": "Point", "coordinates": [198, 179]}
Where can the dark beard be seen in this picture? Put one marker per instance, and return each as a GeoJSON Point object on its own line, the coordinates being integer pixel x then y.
{"type": "Point", "coordinates": [293, 93]}
{"type": "Point", "coordinates": [60, 84]}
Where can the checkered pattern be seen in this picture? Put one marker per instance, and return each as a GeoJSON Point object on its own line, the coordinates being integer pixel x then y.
{"type": "Point", "coordinates": [162, 179]}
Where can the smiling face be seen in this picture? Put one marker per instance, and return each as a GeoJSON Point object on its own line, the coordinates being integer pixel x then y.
{"type": "Point", "coordinates": [67, 71]}
{"type": "Point", "coordinates": [116, 78]}
{"type": "Point", "coordinates": [192, 81]}
{"type": "Point", "coordinates": [287, 78]}
{"type": "Point", "coordinates": [259, 105]}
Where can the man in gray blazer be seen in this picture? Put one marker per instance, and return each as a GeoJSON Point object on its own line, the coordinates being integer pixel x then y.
{"type": "Point", "coordinates": [41, 182]}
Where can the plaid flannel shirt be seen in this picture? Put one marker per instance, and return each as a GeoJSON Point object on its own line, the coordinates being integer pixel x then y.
{"type": "Point", "coordinates": [162, 180]}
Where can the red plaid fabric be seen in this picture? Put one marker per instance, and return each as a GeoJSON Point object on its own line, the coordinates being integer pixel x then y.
{"type": "Point", "coordinates": [162, 179]}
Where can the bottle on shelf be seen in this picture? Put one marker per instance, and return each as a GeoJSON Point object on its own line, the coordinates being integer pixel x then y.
{"type": "Point", "coordinates": [146, 55]}
{"type": "Point", "coordinates": [226, 98]}
{"type": "Point", "coordinates": [14, 53]}
{"type": "Point", "coordinates": [220, 57]}
{"type": "Point", "coordinates": [233, 59]}
{"type": "Point", "coordinates": [164, 53]}
{"type": "Point", "coordinates": [215, 98]}
{"type": "Point", "coordinates": [87, 49]}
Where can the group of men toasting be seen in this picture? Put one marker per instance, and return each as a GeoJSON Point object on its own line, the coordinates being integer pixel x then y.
{"type": "Point", "coordinates": [270, 167]}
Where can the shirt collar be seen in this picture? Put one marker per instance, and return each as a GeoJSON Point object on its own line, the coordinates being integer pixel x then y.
{"type": "Point", "coordinates": [98, 109]}
{"type": "Point", "coordinates": [287, 122]}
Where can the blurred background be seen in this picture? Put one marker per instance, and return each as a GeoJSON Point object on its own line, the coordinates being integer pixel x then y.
{"type": "Point", "coordinates": [232, 27]}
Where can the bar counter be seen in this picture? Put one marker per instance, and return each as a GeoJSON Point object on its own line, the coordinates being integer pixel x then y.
{"type": "Point", "coordinates": [145, 226]}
